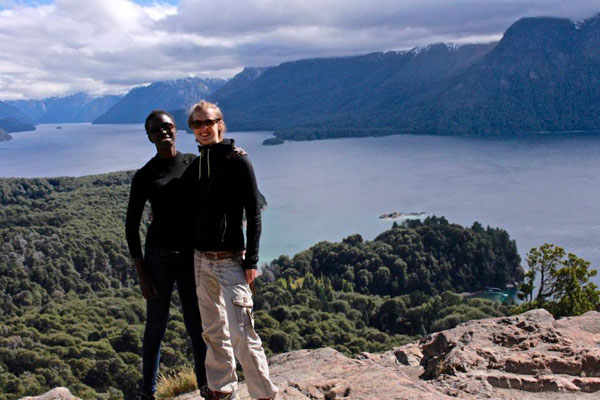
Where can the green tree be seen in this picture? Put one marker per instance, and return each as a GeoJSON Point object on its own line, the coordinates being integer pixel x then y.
{"type": "Point", "coordinates": [564, 285]}
{"type": "Point", "coordinates": [573, 291]}
{"type": "Point", "coordinates": [542, 262]}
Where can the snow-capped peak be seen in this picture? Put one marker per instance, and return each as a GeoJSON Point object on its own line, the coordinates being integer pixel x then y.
{"type": "Point", "coordinates": [452, 46]}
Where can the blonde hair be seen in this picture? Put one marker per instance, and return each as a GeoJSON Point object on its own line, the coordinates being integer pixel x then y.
{"type": "Point", "coordinates": [206, 105]}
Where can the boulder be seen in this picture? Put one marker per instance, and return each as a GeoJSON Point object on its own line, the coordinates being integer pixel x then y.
{"type": "Point", "coordinates": [59, 393]}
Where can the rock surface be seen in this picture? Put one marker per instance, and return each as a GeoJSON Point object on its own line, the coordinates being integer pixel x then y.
{"type": "Point", "coordinates": [525, 357]}
{"type": "Point", "coordinates": [530, 352]}
{"type": "Point", "coordinates": [59, 393]}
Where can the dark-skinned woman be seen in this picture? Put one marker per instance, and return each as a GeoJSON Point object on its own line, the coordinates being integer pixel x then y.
{"type": "Point", "coordinates": [168, 254]}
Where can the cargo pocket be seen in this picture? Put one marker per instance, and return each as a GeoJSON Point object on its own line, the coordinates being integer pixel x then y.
{"type": "Point", "coordinates": [242, 299]}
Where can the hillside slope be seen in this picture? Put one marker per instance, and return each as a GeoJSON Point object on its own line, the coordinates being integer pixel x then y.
{"type": "Point", "coordinates": [541, 77]}
{"type": "Point", "coordinates": [316, 91]}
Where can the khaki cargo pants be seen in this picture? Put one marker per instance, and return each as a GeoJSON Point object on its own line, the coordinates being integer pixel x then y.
{"type": "Point", "coordinates": [225, 302]}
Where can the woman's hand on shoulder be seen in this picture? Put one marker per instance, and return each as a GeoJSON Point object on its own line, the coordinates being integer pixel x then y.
{"type": "Point", "coordinates": [237, 152]}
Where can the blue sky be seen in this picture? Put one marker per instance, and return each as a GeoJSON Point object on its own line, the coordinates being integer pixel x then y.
{"type": "Point", "coordinates": [56, 48]}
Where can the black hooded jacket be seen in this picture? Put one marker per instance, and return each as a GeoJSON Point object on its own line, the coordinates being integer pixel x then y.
{"type": "Point", "coordinates": [224, 187]}
{"type": "Point", "coordinates": [160, 182]}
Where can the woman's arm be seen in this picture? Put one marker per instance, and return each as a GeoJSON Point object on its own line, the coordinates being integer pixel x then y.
{"type": "Point", "coordinates": [135, 209]}
{"type": "Point", "coordinates": [251, 203]}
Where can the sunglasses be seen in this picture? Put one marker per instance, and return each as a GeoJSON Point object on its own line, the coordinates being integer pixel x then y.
{"type": "Point", "coordinates": [198, 124]}
{"type": "Point", "coordinates": [162, 127]}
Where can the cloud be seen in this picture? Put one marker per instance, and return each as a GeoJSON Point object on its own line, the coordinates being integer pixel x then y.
{"type": "Point", "coordinates": [70, 46]}
{"type": "Point", "coordinates": [107, 46]}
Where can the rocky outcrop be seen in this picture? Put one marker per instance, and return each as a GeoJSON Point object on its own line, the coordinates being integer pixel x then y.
{"type": "Point", "coordinates": [530, 352]}
{"type": "Point", "coordinates": [328, 374]}
{"type": "Point", "coordinates": [529, 356]}
{"type": "Point", "coordinates": [525, 357]}
{"type": "Point", "coordinates": [59, 393]}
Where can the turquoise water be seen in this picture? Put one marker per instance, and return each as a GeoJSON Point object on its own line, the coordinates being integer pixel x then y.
{"type": "Point", "coordinates": [540, 189]}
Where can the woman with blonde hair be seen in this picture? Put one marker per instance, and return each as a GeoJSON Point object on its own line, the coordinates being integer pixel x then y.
{"type": "Point", "coordinates": [225, 263]}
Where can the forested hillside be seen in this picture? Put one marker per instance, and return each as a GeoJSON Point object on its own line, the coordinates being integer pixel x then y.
{"type": "Point", "coordinates": [72, 314]}
{"type": "Point", "coordinates": [431, 257]}
{"type": "Point", "coordinates": [331, 89]}
{"type": "Point", "coordinates": [62, 235]}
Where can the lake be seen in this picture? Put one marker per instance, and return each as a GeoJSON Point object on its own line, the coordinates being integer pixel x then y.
{"type": "Point", "coordinates": [543, 188]}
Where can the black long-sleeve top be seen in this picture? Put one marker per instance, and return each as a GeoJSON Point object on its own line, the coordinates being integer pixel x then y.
{"type": "Point", "coordinates": [160, 182]}
{"type": "Point", "coordinates": [224, 187]}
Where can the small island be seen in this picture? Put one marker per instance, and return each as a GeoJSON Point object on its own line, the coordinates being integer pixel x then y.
{"type": "Point", "coordinates": [273, 141]}
{"type": "Point", "coordinates": [399, 215]}
{"type": "Point", "coordinates": [13, 125]}
{"type": "Point", "coordinates": [4, 137]}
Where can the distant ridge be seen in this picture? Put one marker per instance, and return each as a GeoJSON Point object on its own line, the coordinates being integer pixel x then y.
{"type": "Point", "coordinates": [541, 77]}
{"type": "Point", "coordinates": [239, 82]}
{"type": "Point", "coordinates": [79, 107]}
{"type": "Point", "coordinates": [314, 92]}
{"type": "Point", "coordinates": [135, 106]}
{"type": "Point", "coordinates": [9, 111]}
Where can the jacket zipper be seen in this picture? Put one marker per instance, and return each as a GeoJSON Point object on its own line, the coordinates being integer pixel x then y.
{"type": "Point", "coordinates": [204, 152]}
{"type": "Point", "coordinates": [207, 153]}
{"type": "Point", "coordinates": [225, 229]}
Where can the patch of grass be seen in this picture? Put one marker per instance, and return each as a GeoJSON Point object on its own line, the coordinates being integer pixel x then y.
{"type": "Point", "coordinates": [173, 384]}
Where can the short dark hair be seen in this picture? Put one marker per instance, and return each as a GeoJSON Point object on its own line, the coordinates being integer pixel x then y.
{"type": "Point", "coordinates": [156, 114]}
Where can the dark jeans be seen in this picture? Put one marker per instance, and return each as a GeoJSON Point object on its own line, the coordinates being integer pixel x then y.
{"type": "Point", "coordinates": [165, 268]}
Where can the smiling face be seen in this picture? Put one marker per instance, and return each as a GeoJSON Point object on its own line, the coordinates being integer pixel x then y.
{"type": "Point", "coordinates": [162, 132]}
{"type": "Point", "coordinates": [207, 126]}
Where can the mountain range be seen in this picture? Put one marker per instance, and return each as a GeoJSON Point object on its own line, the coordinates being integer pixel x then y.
{"type": "Point", "coordinates": [79, 107]}
{"type": "Point", "coordinates": [169, 95]}
{"type": "Point", "coordinates": [542, 76]}
{"type": "Point", "coordinates": [316, 92]}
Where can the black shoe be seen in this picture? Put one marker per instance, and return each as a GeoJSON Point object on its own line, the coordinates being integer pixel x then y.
{"type": "Point", "coordinates": [204, 391]}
